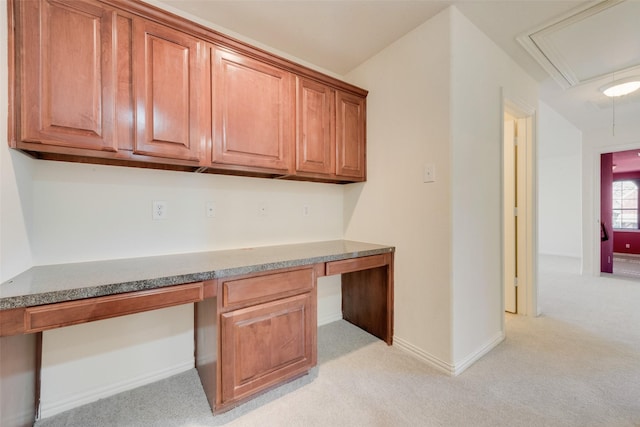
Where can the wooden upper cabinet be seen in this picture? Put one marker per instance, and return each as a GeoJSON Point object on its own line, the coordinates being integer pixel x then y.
{"type": "Point", "coordinates": [350, 136]}
{"type": "Point", "coordinates": [66, 74]}
{"type": "Point", "coordinates": [315, 138]}
{"type": "Point", "coordinates": [252, 113]}
{"type": "Point", "coordinates": [330, 132]}
{"type": "Point", "coordinates": [121, 82]}
{"type": "Point", "coordinates": [169, 72]}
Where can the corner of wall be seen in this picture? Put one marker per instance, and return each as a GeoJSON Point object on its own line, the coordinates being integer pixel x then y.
{"type": "Point", "coordinates": [16, 170]}
{"type": "Point", "coordinates": [480, 70]}
{"type": "Point", "coordinates": [408, 127]}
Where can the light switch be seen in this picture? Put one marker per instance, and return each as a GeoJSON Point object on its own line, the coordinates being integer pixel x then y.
{"type": "Point", "coordinates": [429, 172]}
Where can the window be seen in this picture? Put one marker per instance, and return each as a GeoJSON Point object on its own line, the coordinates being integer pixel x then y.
{"type": "Point", "coordinates": [625, 204]}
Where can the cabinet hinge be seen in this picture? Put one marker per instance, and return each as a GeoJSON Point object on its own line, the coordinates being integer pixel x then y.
{"type": "Point", "coordinates": [515, 282]}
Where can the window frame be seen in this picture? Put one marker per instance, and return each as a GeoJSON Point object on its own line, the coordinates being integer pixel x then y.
{"type": "Point", "coordinates": [636, 182]}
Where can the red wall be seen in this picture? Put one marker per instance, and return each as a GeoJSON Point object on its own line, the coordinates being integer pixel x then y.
{"type": "Point", "coordinates": [626, 176]}
{"type": "Point", "coordinates": [622, 238]}
{"type": "Point", "coordinates": [606, 211]}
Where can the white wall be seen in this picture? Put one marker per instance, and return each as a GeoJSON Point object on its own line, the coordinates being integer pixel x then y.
{"type": "Point", "coordinates": [15, 185]}
{"type": "Point", "coordinates": [559, 185]}
{"type": "Point", "coordinates": [56, 212]}
{"type": "Point", "coordinates": [86, 212]}
{"type": "Point", "coordinates": [481, 73]}
{"type": "Point", "coordinates": [435, 97]}
{"type": "Point", "coordinates": [408, 126]}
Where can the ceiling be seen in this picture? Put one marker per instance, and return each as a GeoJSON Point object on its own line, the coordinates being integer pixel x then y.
{"type": "Point", "coordinates": [626, 161]}
{"type": "Point", "coordinates": [571, 47]}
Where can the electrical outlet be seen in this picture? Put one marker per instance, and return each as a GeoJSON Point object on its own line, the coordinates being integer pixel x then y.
{"type": "Point", "coordinates": [159, 210]}
{"type": "Point", "coordinates": [210, 209]}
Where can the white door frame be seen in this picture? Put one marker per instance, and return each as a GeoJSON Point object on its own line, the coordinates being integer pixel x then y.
{"type": "Point", "coordinates": [527, 290]}
{"type": "Point", "coordinates": [509, 219]}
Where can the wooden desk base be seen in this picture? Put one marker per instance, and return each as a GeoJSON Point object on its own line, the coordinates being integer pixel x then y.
{"type": "Point", "coordinates": [371, 286]}
{"type": "Point", "coordinates": [20, 379]}
{"type": "Point", "coordinates": [367, 302]}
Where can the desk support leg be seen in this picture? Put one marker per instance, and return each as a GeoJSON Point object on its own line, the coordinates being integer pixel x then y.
{"type": "Point", "coordinates": [20, 357]}
{"type": "Point", "coordinates": [206, 357]}
{"type": "Point", "coordinates": [367, 301]}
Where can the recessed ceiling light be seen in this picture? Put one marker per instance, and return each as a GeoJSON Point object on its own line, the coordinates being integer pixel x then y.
{"type": "Point", "coordinates": [621, 87]}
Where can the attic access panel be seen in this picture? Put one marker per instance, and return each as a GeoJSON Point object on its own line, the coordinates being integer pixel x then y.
{"type": "Point", "coordinates": [588, 44]}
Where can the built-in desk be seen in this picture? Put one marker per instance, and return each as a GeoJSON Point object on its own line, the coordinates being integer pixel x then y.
{"type": "Point", "coordinates": [255, 311]}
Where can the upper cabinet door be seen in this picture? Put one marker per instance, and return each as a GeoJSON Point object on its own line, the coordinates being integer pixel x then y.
{"type": "Point", "coordinates": [350, 136]}
{"type": "Point", "coordinates": [252, 113]}
{"type": "Point", "coordinates": [315, 139]}
{"type": "Point", "coordinates": [67, 72]}
{"type": "Point", "coordinates": [169, 71]}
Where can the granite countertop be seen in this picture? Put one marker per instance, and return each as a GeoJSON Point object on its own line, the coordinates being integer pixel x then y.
{"type": "Point", "coordinates": [66, 282]}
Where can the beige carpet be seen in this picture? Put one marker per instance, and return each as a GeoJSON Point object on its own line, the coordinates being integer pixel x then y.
{"type": "Point", "coordinates": [576, 365]}
{"type": "Point", "coordinates": [626, 265]}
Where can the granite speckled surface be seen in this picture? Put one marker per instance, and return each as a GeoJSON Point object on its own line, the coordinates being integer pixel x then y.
{"type": "Point", "coordinates": [66, 282]}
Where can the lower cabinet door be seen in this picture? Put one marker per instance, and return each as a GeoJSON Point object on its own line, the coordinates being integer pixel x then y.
{"type": "Point", "coordinates": [266, 344]}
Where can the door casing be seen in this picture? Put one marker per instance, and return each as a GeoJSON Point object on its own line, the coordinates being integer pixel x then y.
{"type": "Point", "coordinates": [527, 290]}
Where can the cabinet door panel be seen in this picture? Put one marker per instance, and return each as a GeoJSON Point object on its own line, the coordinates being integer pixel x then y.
{"type": "Point", "coordinates": [315, 140]}
{"type": "Point", "coordinates": [266, 344]}
{"type": "Point", "coordinates": [252, 113]}
{"type": "Point", "coordinates": [168, 74]}
{"type": "Point", "coordinates": [350, 136]}
{"type": "Point", "coordinates": [68, 74]}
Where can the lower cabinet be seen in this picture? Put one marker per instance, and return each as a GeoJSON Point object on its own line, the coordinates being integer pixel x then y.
{"type": "Point", "coordinates": [266, 344]}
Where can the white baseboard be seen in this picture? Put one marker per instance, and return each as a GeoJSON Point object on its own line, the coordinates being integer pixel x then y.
{"type": "Point", "coordinates": [330, 317]}
{"type": "Point", "coordinates": [441, 365]}
{"type": "Point", "coordinates": [476, 355]}
{"type": "Point", "coordinates": [428, 358]}
{"type": "Point", "coordinates": [51, 408]}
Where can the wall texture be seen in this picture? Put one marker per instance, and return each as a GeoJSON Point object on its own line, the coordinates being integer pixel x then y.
{"type": "Point", "coordinates": [481, 75]}
{"type": "Point", "coordinates": [623, 238]}
{"type": "Point", "coordinates": [559, 185]}
{"type": "Point", "coordinates": [408, 126]}
{"type": "Point", "coordinates": [15, 185]}
{"type": "Point", "coordinates": [435, 98]}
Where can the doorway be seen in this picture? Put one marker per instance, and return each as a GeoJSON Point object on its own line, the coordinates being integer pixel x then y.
{"type": "Point", "coordinates": [518, 210]}
{"type": "Point", "coordinates": [619, 209]}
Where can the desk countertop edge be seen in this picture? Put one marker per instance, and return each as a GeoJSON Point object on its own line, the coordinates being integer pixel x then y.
{"type": "Point", "coordinates": [68, 282]}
